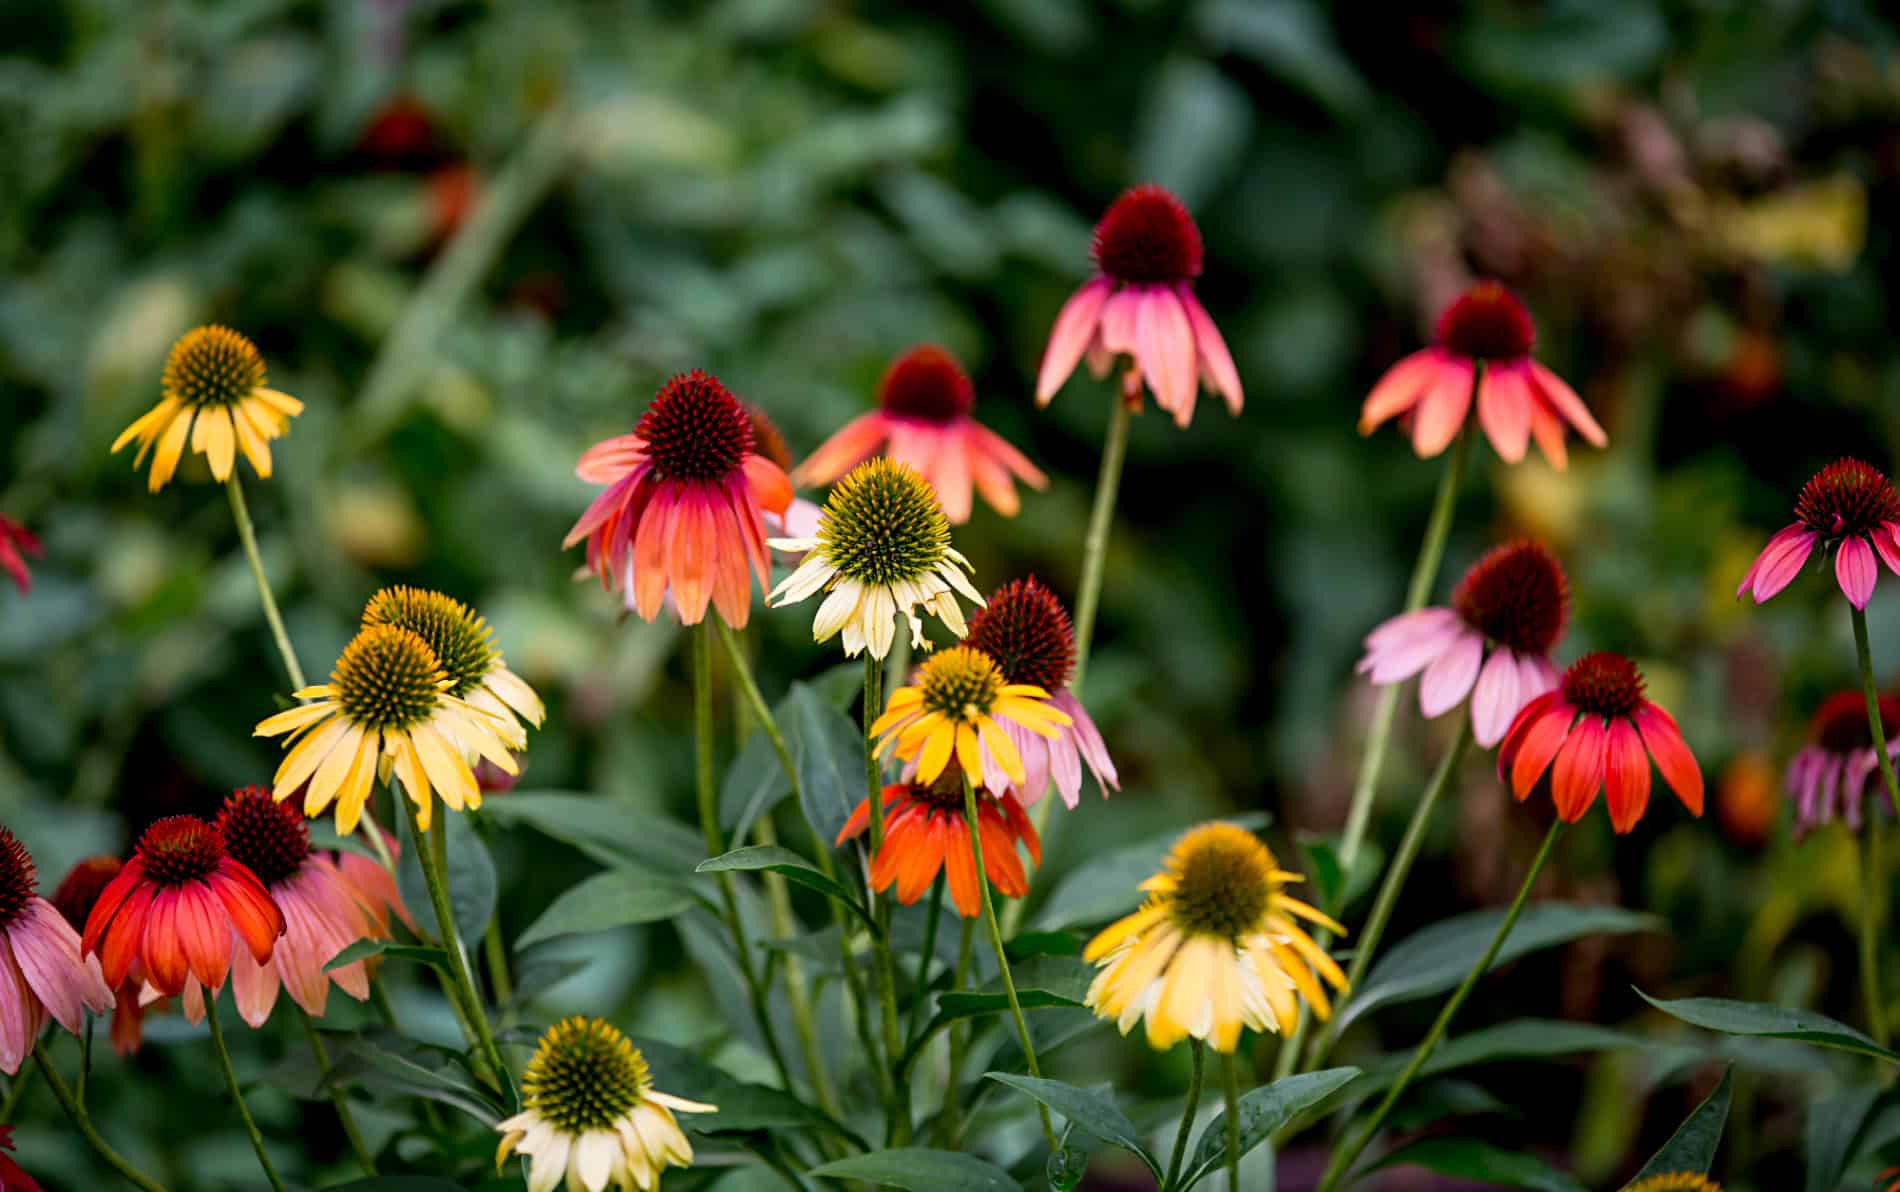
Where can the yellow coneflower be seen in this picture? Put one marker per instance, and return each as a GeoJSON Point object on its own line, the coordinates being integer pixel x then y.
{"type": "Point", "coordinates": [387, 705]}
{"type": "Point", "coordinates": [591, 1116]}
{"type": "Point", "coordinates": [465, 646]}
{"type": "Point", "coordinates": [882, 550]}
{"type": "Point", "coordinates": [1675, 1181]}
{"type": "Point", "coordinates": [214, 391]}
{"type": "Point", "coordinates": [955, 706]}
{"type": "Point", "coordinates": [1214, 948]}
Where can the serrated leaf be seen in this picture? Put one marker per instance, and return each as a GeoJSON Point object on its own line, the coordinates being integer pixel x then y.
{"type": "Point", "coordinates": [1692, 1147]}
{"type": "Point", "coordinates": [794, 867]}
{"type": "Point", "coordinates": [1769, 1021]}
{"type": "Point", "coordinates": [1105, 887]}
{"type": "Point", "coordinates": [1092, 1110]}
{"type": "Point", "coordinates": [1263, 1111]}
{"type": "Point", "coordinates": [616, 898]}
{"type": "Point", "coordinates": [1480, 1161]}
{"type": "Point", "coordinates": [916, 1169]}
{"type": "Point", "coordinates": [365, 949]}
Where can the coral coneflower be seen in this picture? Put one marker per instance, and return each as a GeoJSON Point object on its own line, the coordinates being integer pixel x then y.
{"type": "Point", "coordinates": [214, 390]}
{"type": "Point", "coordinates": [1598, 732]}
{"type": "Point", "coordinates": [1518, 398]}
{"type": "Point", "coordinates": [1847, 507]}
{"type": "Point", "coordinates": [925, 833]}
{"type": "Point", "coordinates": [375, 887]}
{"type": "Point", "coordinates": [1215, 947]}
{"type": "Point", "coordinates": [1025, 629]}
{"type": "Point", "coordinates": [923, 419]}
{"type": "Point", "coordinates": [1832, 774]}
{"type": "Point", "coordinates": [882, 550]}
{"type": "Point", "coordinates": [16, 541]}
{"type": "Point", "coordinates": [800, 518]}
{"type": "Point", "coordinates": [1675, 1181]}
{"type": "Point", "coordinates": [173, 908]}
{"type": "Point", "coordinates": [321, 914]}
{"type": "Point", "coordinates": [74, 899]}
{"type": "Point", "coordinates": [465, 646]}
{"type": "Point", "coordinates": [387, 703]}
{"type": "Point", "coordinates": [957, 706]}
{"type": "Point", "coordinates": [41, 971]}
{"type": "Point", "coordinates": [1493, 643]}
{"type": "Point", "coordinates": [591, 1116]}
{"type": "Point", "coordinates": [683, 510]}
{"type": "Point", "coordinates": [1140, 305]}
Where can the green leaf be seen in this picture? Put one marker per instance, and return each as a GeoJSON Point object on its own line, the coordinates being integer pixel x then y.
{"type": "Point", "coordinates": [1521, 1038]}
{"type": "Point", "coordinates": [364, 949]}
{"type": "Point", "coordinates": [1436, 958]}
{"type": "Point", "coordinates": [754, 783]}
{"type": "Point", "coordinates": [469, 873]}
{"type": "Point", "coordinates": [1692, 1147]}
{"type": "Point", "coordinates": [1764, 1020]}
{"type": "Point", "coordinates": [1480, 1161]}
{"type": "Point", "coordinates": [1263, 1111]}
{"type": "Point", "coordinates": [743, 1107]}
{"type": "Point", "coordinates": [616, 898]}
{"type": "Point", "coordinates": [916, 1169]}
{"type": "Point", "coordinates": [386, 1062]}
{"type": "Point", "coordinates": [1105, 887]}
{"type": "Point", "coordinates": [1332, 886]}
{"type": "Point", "coordinates": [794, 867]}
{"type": "Point", "coordinates": [610, 831]}
{"type": "Point", "coordinates": [1833, 1125]}
{"type": "Point", "coordinates": [828, 749]}
{"type": "Point", "coordinates": [1043, 983]}
{"type": "Point", "coordinates": [1092, 1110]}
{"type": "Point", "coordinates": [396, 1183]}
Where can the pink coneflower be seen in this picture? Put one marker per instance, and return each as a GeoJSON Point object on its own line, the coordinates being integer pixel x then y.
{"type": "Point", "coordinates": [41, 972]}
{"type": "Point", "coordinates": [684, 503]}
{"type": "Point", "coordinates": [1512, 604]}
{"type": "Point", "coordinates": [1597, 732]}
{"type": "Point", "coordinates": [77, 894]}
{"type": "Point", "coordinates": [1518, 398]}
{"type": "Point", "coordinates": [923, 419]}
{"type": "Point", "coordinates": [1140, 305]}
{"type": "Point", "coordinates": [16, 541]}
{"type": "Point", "coordinates": [1028, 632]}
{"type": "Point", "coordinates": [1847, 507]}
{"type": "Point", "coordinates": [321, 913]}
{"type": "Point", "coordinates": [1832, 774]}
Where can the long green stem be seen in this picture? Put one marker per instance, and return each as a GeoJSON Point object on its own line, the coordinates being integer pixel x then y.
{"type": "Point", "coordinates": [337, 1096]}
{"type": "Point", "coordinates": [1344, 1156]}
{"type": "Point", "coordinates": [1002, 954]}
{"type": "Point", "coordinates": [1431, 554]}
{"type": "Point", "coordinates": [248, 536]}
{"type": "Point", "coordinates": [797, 993]}
{"type": "Point", "coordinates": [237, 1094]}
{"type": "Point", "coordinates": [922, 983]}
{"type": "Point", "coordinates": [707, 797]}
{"type": "Point", "coordinates": [1188, 1109]}
{"type": "Point", "coordinates": [1232, 1073]}
{"type": "Point", "coordinates": [1394, 883]}
{"type": "Point", "coordinates": [82, 1122]}
{"type": "Point", "coordinates": [950, 1118]}
{"type": "Point", "coordinates": [884, 966]}
{"type": "Point", "coordinates": [495, 953]}
{"type": "Point", "coordinates": [1872, 889]}
{"type": "Point", "coordinates": [431, 855]}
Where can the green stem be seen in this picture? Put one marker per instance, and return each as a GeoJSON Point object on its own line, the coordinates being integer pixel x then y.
{"type": "Point", "coordinates": [337, 1096]}
{"type": "Point", "coordinates": [385, 1008]}
{"type": "Point", "coordinates": [1395, 874]}
{"type": "Point", "coordinates": [884, 967]}
{"type": "Point", "coordinates": [248, 536]}
{"type": "Point", "coordinates": [82, 1122]}
{"type": "Point", "coordinates": [1232, 1072]}
{"type": "Point", "coordinates": [1002, 955]}
{"type": "Point", "coordinates": [16, 1086]}
{"type": "Point", "coordinates": [431, 854]}
{"type": "Point", "coordinates": [1193, 1103]}
{"type": "Point", "coordinates": [949, 1119]}
{"type": "Point", "coordinates": [1872, 889]}
{"type": "Point", "coordinates": [496, 954]}
{"type": "Point", "coordinates": [1343, 1157]}
{"type": "Point", "coordinates": [237, 1094]}
{"type": "Point", "coordinates": [377, 844]}
{"type": "Point", "coordinates": [922, 984]}
{"type": "Point", "coordinates": [1088, 597]}
{"type": "Point", "coordinates": [1431, 553]}
{"type": "Point", "coordinates": [707, 797]}
{"type": "Point", "coordinates": [797, 994]}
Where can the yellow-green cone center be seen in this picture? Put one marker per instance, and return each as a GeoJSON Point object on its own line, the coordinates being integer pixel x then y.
{"type": "Point", "coordinates": [962, 683]}
{"type": "Point", "coordinates": [882, 524]}
{"type": "Point", "coordinates": [213, 366]}
{"type": "Point", "coordinates": [1223, 882]}
{"type": "Point", "coordinates": [585, 1075]}
{"type": "Point", "coordinates": [462, 641]}
{"type": "Point", "coordinates": [387, 678]}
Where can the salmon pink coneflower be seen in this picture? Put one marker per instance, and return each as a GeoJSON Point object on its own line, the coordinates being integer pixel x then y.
{"type": "Point", "coordinates": [923, 419]}
{"type": "Point", "coordinates": [42, 973]}
{"type": "Point", "coordinates": [1847, 507]}
{"type": "Point", "coordinates": [1027, 631]}
{"type": "Point", "coordinates": [1140, 305]}
{"type": "Point", "coordinates": [1518, 399]}
{"type": "Point", "coordinates": [375, 887]}
{"type": "Point", "coordinates": [925, 833]}
{"type": "Point", "coordinates": [1597, 732]}
{"type": "Point", "coordinates": [173, 908]}
{"type": "Point", "coordinates": [16, 542]}
{"type": "Point", "coordinates": [1493, 643]}
{"type": "Point", "coordinates": [1833, 774]}
{"type": "Point", "coordinates": [74, 899]}
{"type": "Point", "coordinates": [683, 510]}
{"type": "Point", "coordinates": [322, 915]}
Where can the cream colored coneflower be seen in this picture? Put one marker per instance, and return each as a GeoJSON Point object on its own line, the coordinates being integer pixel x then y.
{"type": "Point", "coordinates": [214, 391]}
{"type": "Point", "coordinates": [465, 646]}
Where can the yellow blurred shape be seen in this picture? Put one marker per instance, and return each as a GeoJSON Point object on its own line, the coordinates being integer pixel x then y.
{"type": "Point", "coordinates": [1817, 225]}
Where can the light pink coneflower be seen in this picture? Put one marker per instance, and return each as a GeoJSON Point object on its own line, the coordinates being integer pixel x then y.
{"type": "Point", "coordinates": [1518, 398]}
{"type": "Point", "coordinates": [42, 974]}
{"type": "Point", "coordinates": [1847, 507]}
{"type": "Point", "coordinates": [1140, 305]}
{"type": "Point", "coordinates": [1493, 644]}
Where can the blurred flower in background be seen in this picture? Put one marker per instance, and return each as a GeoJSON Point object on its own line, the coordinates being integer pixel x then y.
{"type": "Point", "coordinates": [214, 390]}
{"type": "Point", "coordinates": [17, 541]}
{"type": "Point", "coordinates": [1834, 773]}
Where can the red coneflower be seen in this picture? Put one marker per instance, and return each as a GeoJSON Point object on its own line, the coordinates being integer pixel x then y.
{"type": "Point", "coordinates": [1518, 398]}
{"type": "Point", "coordinates": [925, 833]}
{"type": "Point", "coordinates": [924, 420]}
{"type": "Point", "coordinates": [12, 1177]}
{"type": "Point", "coordinates": [42, 973]}
{"type": "Point", "coordinates": [1598, 732]}
{"type": "Point", "coordinates": [1849, 508]}
{"type": "Point", "coordinates": [1833, 773]}
{"type": "Point", "coordinates": [1140, 305]}
{"type": "Point", "coordinates": [17, 541]}
{"type": "Point", "coordinates": [77, 894]}
{"type": "Point", "coordinates": [684, 503]}
{"type": "Point", "coordinates": [322, 914]}
{"type": "Point", "coordinates": [173, 907]}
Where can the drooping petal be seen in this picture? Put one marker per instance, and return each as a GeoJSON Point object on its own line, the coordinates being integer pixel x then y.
{"type": "Point", "coordinates": [1625, 775]}
{"type": "Point", "coordinates": [1441, 411]}
{"type": "Point", "coordinates": [1678, 765]}
{"type": "Point", "coordinates": [1165, 347]}
{"type": "Point", "coordinates": [1578, 773]}
{"type": "Point", "coordinates": [1448, 679]}
{"type": "Point", "coordinates": [853, 443]}
{"type": "Point", "coordinates": [1855, 569]}
{"type": "Point", "coordinates": [1496, 698]}
{"type": "Point", "coordinates": [1074, 328]}
{"type": "Point", "coordinates": [1399, 389]}
{"type": "Point", "coordinates": [1216, 362]}
{"type": "Point", "coordinates": [1505, 401]}
{"type": "Point", "coordinates": [1779, 562]}
{"type": "Point", "coordinates": [1564, 400]}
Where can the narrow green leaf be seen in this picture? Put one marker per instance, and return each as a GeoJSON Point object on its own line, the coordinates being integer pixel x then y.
{"type": "Point", "coordinates": [1833, 1125]}
{"type": "Point", "coordinates": [828, 749]}
{"type": "Point", "coordinates": [1090, 1109]}
{"type": "Point", "coordinates": [794, 867]}
{"type": "Point", "coordinates": [1105, 887]}
{"type": "Point", "coordinates": [754, 783]}
{"type": "Point", "coordinates": [1045, 982]}
{"type": "Point", "coordinates": [388, 1063]}
{"type": "Point", "coordinates": [916, 1169]}
{"type": "Point", "coordinates": [1764, 1020]}
{"type": "Point", "coordinates": [1263, 1111]}
{"type": "Point", "coordinates": [611, 831]}
{"type": "Point", "coordinates": [1480, 1161]}
{"type": "Point", "coordinates": [469, 874]}
{"type": "Point", "coordinates": [1692, 1147]}
{"type": "Point", "coordinates": [743, 1107]}
{"type": "Point", "coordinates": [616, 898]}
{"type": "Point", "coordinates": [364, 949]}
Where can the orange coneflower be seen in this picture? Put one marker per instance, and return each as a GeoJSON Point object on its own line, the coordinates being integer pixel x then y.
{"type": "Point", "coordinates": [42, 973]}
{"type": "Point", "coordinates": [214, 390]}
{"type": "Point", "coordinates": [925, 833]}
{"type": "Point", "coordinates": [958, 706]}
